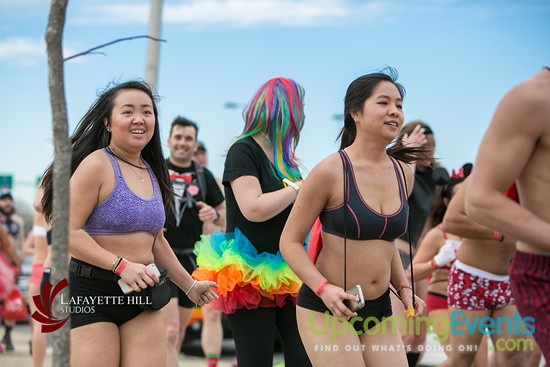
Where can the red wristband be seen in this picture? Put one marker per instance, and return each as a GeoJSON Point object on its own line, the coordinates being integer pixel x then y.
{"type": "Point", "coordinates": [321, 288]}
{"type": "Point", "coordinates": [120, 267]}
{"type": "Point", "coordinates": [433, 264]}
{"type": "Point", "coordinates": [497, 236]}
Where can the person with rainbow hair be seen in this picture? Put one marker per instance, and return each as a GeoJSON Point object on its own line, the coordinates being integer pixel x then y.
{"type": "Point", "coordinates": [262, 179]}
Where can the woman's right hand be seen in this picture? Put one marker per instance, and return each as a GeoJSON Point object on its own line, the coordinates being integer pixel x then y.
{"type": "Point", "coordinates": [202, 292]}
{"type": "Point", "coordinates": [138, 276]}
{"type": "Point", "coordinates": [445, 256]}
{"type": "Point", "coordinates": [334, 297]}
{"type": "Point", "coordinates": [417, 137]}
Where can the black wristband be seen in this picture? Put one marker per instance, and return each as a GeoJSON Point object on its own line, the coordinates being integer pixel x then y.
{"type": "Point", "coordinates": [218, 214]}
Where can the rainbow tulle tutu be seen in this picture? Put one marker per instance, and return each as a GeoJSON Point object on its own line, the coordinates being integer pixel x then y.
{"type": "Point", "coordinates": [246, 279]}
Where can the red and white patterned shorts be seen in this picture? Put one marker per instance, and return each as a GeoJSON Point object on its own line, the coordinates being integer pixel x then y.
{"type": "Point", "coordinates": [473, 289]}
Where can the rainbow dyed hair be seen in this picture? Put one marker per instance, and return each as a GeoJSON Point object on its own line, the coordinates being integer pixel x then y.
{"type": "Point", "coordinates": [278, 109]}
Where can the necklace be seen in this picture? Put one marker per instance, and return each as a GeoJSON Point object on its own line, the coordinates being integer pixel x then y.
{"type": "Point", "coordinates": [140, 175]}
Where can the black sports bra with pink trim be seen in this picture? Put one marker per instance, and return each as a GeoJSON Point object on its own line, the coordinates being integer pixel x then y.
{"type": "Point", "coordinates": [363, 223]}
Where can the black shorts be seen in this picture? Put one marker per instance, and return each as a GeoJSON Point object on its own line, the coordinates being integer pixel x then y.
{"type": "Point", "coordinates": [98, 300]}
{"type": "Point", "coordinates": [188, 262]}
{"type": "Point", "coordinates": [370, 315]}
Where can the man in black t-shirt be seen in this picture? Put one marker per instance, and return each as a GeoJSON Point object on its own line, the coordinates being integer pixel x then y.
{"type": "Point", "coordinates": [197, 200]}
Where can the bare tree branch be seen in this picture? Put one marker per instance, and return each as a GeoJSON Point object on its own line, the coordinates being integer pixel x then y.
{"type": "Point", "coordinates": [90, 51]}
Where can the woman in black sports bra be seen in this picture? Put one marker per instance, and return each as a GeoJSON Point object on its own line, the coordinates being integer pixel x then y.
{"type": "Point", "coordinates": [376, 213]}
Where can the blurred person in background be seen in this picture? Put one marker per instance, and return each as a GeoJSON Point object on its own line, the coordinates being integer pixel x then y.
{"type": "Point", "coordinates": [428, 176]}
{"type": "Point", "coordinates": [479, 288]}
{"type": "Point", "coordinates": [13, 226]}
{"type": "Point", "coordinates": [198, 206]}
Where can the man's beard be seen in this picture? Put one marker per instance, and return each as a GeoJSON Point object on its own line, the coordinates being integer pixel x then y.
{"type": "Point", "coordinates": [7, 213]}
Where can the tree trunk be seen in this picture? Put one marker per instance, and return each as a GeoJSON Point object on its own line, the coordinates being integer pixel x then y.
{"type": "Point", "coordinates": [61, 170]}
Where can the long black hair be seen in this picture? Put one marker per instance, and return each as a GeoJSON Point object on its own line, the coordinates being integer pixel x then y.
{"type": "Point", "coordinates": [91, 134]}
{"type": "Point", "coordinates": [357, 93]}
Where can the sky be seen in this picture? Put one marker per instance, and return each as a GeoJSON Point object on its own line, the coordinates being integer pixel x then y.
{"type": "Point", "coordinates": [456, 59]}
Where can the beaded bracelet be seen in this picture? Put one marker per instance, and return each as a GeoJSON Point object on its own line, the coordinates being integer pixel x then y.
{"type": "Point", "coordinates": [192, 285]}
{"type": "Point", "coordinates": [321, 288]}
{"type": "Point", "coordinates": [120, 266]}
{"type": "Point", "coordinates": [497, 236]}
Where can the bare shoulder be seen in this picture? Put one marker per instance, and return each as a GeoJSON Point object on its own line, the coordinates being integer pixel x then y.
{"type": "Point", "coordinates": [321, 182]}
{"type": "Point", "coordinates": [17, 218]}
{"type": "Point", "coordinates": [531, 96]}
{"type": "Point", "coordinates": [94, 168]}
{"type": "Point", "coordinates": [97, 160]}
{"type": "Point", "coordinates": [330, 168]}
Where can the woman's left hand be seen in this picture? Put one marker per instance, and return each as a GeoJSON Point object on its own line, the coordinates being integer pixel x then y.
{"type": "Point", "coordinates": [412, 310]}
{"type": "Point", "coordinates": [202, 292]}
{"type": "Point", "coordinates": [420, 306]}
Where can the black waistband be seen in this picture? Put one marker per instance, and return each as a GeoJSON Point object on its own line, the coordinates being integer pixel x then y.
{"type": "Point", "coordinates": [435, 294]}
{"type": "Point", "coordinates": [86, 270]}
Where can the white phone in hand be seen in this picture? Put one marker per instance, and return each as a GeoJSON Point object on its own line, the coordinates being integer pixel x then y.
{"type": "Point", "coordinates": [127, 289]}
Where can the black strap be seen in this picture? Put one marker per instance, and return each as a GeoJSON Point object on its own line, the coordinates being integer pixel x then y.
{"type": "Point", "coordinates": [546, 67]}
{"type": "Point", "coordinates": [344, 165]}
{"type": "Point", "coordinates": [201, 180]}
{"type": "Point", "coordinates": [90, 271]}
{"type": "Point", "coordinates": [409, 233]}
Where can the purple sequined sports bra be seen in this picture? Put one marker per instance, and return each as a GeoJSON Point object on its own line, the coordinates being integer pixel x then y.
{"type": "Point", "coordinates": [125, 212]}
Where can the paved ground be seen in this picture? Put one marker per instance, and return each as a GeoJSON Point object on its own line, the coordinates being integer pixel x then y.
{"type": "Point", "coordinates": [21, 357]}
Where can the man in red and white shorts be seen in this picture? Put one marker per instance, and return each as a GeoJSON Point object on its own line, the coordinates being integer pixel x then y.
{"type": "Point", "coordinates": [479, 292]}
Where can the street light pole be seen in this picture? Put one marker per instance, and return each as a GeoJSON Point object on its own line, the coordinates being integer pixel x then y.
{"type": "Point", "coordinates": [153, 47]}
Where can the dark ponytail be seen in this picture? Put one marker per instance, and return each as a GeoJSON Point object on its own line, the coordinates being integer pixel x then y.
{"type": "Point", "coordinates": [348, 132]}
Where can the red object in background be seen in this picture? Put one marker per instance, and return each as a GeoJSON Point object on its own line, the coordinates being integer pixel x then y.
{"type": "Point", "coordinates": [315, 242]}
{"type": "Point", "coordinates": [512, 193]}
{"type": "Point", "coordinates": [15, 307]}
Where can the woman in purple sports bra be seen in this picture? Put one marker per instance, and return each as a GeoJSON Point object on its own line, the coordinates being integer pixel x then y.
{"type": "Point", "coordinates": [120, 191]}
{"type": "Point", "coordinates": [373, 214]}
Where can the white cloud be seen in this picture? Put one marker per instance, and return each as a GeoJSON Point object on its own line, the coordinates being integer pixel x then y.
{"type": "Point", "coordinates": [257, 13]}
{"type": "Point", "coordinates": [235, 13]}
{"type": "Point", "coordinates": [24, 51]}
{"type": "Point", "coordinates": [245, 13]}
{"type": "Point", "coordinates": [19, 3]}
